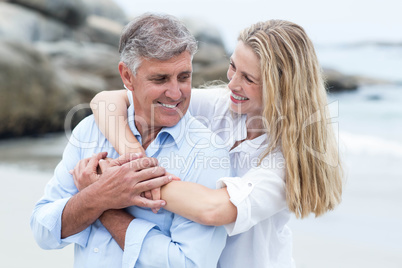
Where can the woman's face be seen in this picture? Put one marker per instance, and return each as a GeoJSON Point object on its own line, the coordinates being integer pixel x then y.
{"type": "Point", "coordinates": [245, 83]}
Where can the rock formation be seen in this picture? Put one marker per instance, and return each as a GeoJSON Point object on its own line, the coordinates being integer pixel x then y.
{"type": "Point", "coordinates": [57, 54]}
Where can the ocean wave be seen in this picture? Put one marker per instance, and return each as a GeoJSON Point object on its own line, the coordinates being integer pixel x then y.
{"type": "Point", "coordinates": [365, 144]}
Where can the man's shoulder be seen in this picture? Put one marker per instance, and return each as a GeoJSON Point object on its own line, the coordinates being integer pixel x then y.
{"type": "Point", "coordinates": [85, 127]}
{"type": "Point", "coordinates": [87, 136]}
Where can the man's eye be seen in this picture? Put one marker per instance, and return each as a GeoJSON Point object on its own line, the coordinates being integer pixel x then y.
{"type": "Point", "coordinates": [184, 77]}
{"type": "Point", "coordinates": [160, 80]}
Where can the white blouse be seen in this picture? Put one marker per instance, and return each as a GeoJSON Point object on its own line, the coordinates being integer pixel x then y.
{"type": "Point", "coordinates": [259, 237]}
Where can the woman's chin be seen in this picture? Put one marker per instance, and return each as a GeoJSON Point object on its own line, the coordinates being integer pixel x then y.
{"type": "Point", "coordinates": [236, 109]}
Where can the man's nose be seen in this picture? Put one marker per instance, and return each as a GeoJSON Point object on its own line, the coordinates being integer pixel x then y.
{"type": "Point", "coordinates": [173, 90]}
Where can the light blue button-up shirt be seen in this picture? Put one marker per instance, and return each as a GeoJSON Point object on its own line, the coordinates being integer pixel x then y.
{"type": "Point", "coordinates": [152, 240]}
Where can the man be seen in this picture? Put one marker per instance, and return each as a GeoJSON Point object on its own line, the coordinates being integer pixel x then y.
{"type": "Point", "coordinates": [156, 53]}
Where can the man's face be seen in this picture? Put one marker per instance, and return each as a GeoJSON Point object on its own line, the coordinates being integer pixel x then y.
{"type": "Point", "coordinates": [162, 91]}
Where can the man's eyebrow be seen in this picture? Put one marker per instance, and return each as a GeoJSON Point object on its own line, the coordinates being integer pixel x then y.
{"type": "Point", "coordinates": [186, 72]}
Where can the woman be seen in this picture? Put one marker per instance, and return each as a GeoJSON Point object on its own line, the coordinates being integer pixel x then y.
{"type": "Point", "coordinates": [277, 110]}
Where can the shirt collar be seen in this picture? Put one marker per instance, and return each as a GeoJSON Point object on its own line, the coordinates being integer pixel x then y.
{"type": "Point", "coordinates": [167, 136]}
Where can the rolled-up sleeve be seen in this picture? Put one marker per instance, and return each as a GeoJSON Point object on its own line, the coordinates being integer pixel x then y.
{"type": "Point", "coordinates": [259, 194]}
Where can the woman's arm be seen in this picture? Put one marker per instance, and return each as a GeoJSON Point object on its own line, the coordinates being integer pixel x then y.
{"type": "Point", "coordinates": [191, 200]}
{"type": "Point", "coordinates": [199, 203]}
{"type": "Point", "coordinates": [110, 113]}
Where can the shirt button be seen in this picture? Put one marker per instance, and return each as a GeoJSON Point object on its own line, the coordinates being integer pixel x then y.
{"type": "Point", "coordinates": [249, 184]}
{"type": "Point", "coordinates": [96, 250]}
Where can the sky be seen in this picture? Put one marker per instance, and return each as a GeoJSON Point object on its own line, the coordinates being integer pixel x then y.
{"type": "Point", "coordinates": [326, 22]}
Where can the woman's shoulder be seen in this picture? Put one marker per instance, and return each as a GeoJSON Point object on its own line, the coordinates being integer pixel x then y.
{"type": "Point", "coordinates": [209, 101]}
{"type": "Point", "coordinates": [209, 94]}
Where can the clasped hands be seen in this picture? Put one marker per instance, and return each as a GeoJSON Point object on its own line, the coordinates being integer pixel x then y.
{"type": "Point", "coordinates": [130, 180]}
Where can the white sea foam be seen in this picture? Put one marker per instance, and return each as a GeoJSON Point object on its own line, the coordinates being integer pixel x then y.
{"type": "Point", "coordinates": [371, 145]}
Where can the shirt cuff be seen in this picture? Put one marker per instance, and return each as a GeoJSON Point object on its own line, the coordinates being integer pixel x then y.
{"type": "Point", "coordinates": [239, 189]}
{"type": "Point", "coordinates": [49, 216]}
{"type": "Point", "coordinates": [135, 235]}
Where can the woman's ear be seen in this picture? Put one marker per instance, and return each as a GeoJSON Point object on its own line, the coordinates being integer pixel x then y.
{"type": "Point", "coordinates": [126, 76]}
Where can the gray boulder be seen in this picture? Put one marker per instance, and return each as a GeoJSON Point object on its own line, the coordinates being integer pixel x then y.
{"type": "Point", "coordinates": [88, 67]}
{"type": "Point", "coordinates": [32, 98]}
{"type": "Point", "coordinates": [101, 30]}
{"type": "Point", "coordinates": [70, 12]}
{"type": "Point", "coordinates": [39, 85]}
{"type": "Point", "coordinates": [50, 65]}
{"type": "Point", "coordinates": [337, 81]}
{"type": "Point", "coordinates": [107, 9]}
{"type": "Point", "coordinates": [22, 24]}
{"type": "Point", "coordinates": [211, 61]}
{"type": "Point", "coordinates": [26, 25]}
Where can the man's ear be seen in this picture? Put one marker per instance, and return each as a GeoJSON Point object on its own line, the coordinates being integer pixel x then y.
{"type": "Point", "coordinates": [126, 75]}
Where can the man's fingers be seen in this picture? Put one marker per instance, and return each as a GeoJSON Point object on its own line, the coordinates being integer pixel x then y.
{"type": "Point", "coordinates": [148, 195]}
{"type": "Point", "coordinates": [148, 185]}
{"type": "Point", "coordinates": [104, 164]}
{"type": "Point", "coordinates": [144, 202]}
{"type": "Point", "coordinates": [146, 174]}
{"type": "Point", "coordinates": [142, 163]}
{"type": "Point", "coordinates": [175, 178]}
{"type": "Point", "coordinates": [79, 167]}
{"type": "Point", "coordinates": [94, 161]}
{"type": "Point", "coordinates": [100, 155]}
{"type": "Point", "coordinates": [156, 193]}
{"type": "Point", "coordinates": [125, 158]}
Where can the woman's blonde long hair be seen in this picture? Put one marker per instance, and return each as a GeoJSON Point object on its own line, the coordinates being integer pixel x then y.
{"type": "Point", "coordinates": [295, 115]}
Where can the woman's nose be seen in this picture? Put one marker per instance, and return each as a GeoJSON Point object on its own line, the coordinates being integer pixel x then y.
{"type": "Point", "coordinates": [233, 80]}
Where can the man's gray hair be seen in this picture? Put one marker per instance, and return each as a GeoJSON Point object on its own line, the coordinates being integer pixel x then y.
{"type": "Point", "coordinates": [154, 36]}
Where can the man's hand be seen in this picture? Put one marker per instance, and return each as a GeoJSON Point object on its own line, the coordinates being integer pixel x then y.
{"type": "Point", "coordinates": [124, 179]}
{"type": "Point", "coordinates": [85, 172]}
{"type": "Point", "coordinates": [155, 194]}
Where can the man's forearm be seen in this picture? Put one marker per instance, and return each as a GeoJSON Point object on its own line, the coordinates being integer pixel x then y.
{"type": "Point", "coordinates": [80, 212]}
{"type": "Point", "coordinates": [116, 221]}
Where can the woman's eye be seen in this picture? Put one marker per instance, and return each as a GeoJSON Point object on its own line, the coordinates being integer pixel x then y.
{"type": "Point", "coordinates": [248, 79]}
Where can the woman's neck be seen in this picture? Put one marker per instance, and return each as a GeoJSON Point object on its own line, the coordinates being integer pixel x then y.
{"type": "Point", "coordinates": [255, 126]}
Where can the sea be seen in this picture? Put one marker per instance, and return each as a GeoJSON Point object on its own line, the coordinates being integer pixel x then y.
{"type": "Point", "coordinates": [363, 231]}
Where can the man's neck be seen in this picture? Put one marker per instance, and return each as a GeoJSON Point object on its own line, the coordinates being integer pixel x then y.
{"type": "Point", "coordinates": [147, 134]}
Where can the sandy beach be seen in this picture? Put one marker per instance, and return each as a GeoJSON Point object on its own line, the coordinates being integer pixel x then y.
{"type": "Point", "coordinates": [364, 231]}
{"type": "Point", "coordinates": [26, 166]}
